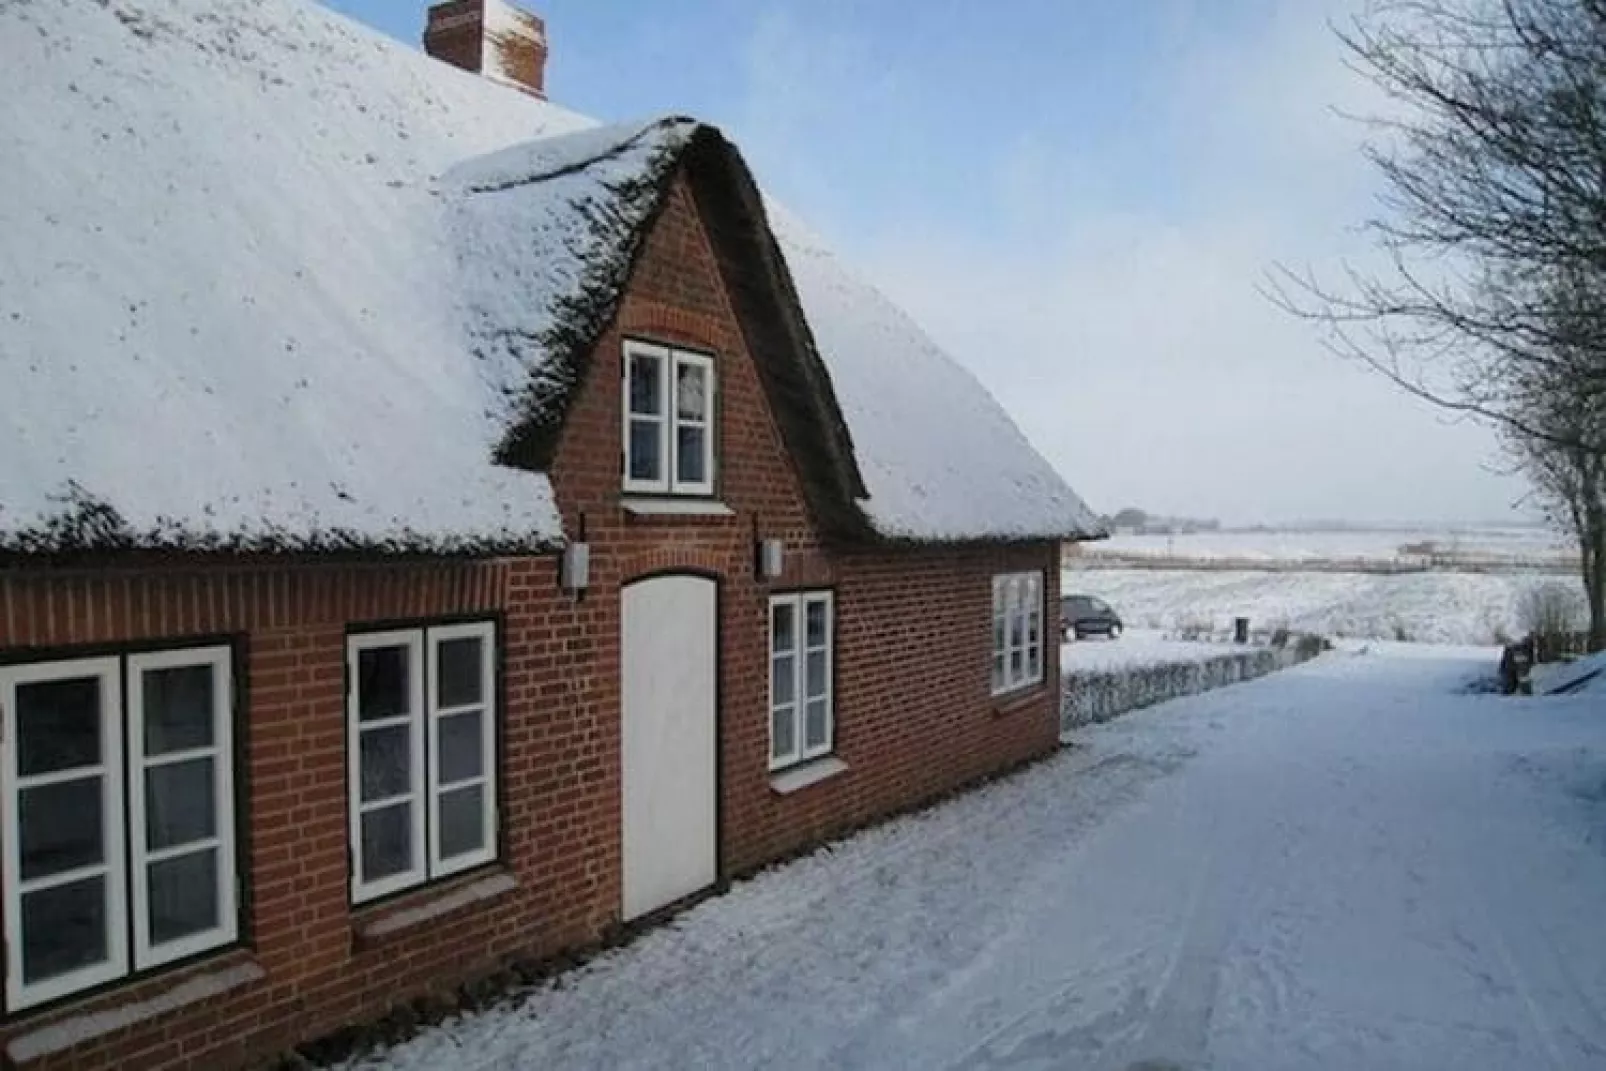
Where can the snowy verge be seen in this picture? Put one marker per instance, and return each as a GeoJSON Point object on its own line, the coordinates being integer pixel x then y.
{"type": "Point", "coordinates": [1096, 695]}
{"type": "Point", "coordinates": [1587, 674]}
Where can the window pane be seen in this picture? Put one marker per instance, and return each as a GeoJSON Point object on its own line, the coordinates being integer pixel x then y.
{"type": "Point", "coordinates": [460, 665]}
{"type": "Point", "coordinates": [387, 841]}
{"type": "Point", "coordinates": [1034, 658]}
{"type": "Point", "coordinates": [782, 628]}
{"type": "Point", "coordinates": [461, 747]}
{"type": "Point", "coordinates": [783, 732]}
{"type": "Point", "coordinates": [646, 387]}
{"type": "Point", "coordinates": [58, 725]}
{"type": "Point", "coordinates": [182, 895]}
{"type": "Point", "coordinates": [645, 462]}
{"type": "Point", "coordinates": [816, 623]}
{"type": "Point", "coordinates": [462, 821]}
{"type": "Point", "coordinates": [691, 392]}
{"type": "Point", "coordinates": [690, 464]}
{"type": "Point", "coordinates": [816, 674]}
{"type": "Point", "coordinates": [178, 709]}
{"type": "Point", "coordinates": [1017, 629]}
{"type": "Point", "coordinates": [783, 680]}
{"type": "Point", "coordinates": [387, 762]}
{"type": "Point", "coordinates": [63, 929]}
{"type": "Point", "coordinates": [383, 682]}
{"type": "Point", "coordinates": [1015, 670]}
{"type": "Point", "coordinates": [180, 804]}
{"type": "Point", "coordinates": [60, 827]}
{"type": "Point", "coordinates": [998, 635]}
{"type": "Point", "coordinates": [814, 730]}
{"type": "Point", "coordinates": [998, 671]}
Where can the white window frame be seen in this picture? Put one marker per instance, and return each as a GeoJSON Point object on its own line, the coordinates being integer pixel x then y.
{"type": "Point", "coordinates": [125, 862]}
{"type": "Point", "coordinates": [221, 752]}
{"type": "Point", "coordinates": [1017, 599]}
{"type": "Point", "coordinates": [670, 361]}
{"type": "Point", "coordinates": [799, 652]}
{"type": "Point", "coordinates": [20, 995]}
{"type": "Point", "coordinates": [423, 720]}
{"type": "Point", "coordinates": [485, 631]}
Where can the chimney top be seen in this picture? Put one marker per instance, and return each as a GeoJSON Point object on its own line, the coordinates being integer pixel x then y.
{"type": "Point", "coordinates": [491, 38]}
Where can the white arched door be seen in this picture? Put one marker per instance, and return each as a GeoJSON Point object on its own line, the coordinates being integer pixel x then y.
{"type": "Point", "coordinates": [668, 740]}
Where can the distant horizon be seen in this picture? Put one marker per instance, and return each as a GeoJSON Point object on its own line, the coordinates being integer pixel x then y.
{"type": "Point", "coordinates": [1339, 524]}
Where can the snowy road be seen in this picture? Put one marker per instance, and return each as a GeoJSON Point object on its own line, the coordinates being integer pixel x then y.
{"type": "Point", "coordinates": [1348, 865]}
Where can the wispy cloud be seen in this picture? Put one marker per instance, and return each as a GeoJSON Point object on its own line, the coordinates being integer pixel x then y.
{"type": "Point", "coordinates": [1106, 289]}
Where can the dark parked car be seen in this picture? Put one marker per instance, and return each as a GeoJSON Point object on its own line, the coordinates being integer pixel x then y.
{"type": "Point", "coordinates": [1085, 615]}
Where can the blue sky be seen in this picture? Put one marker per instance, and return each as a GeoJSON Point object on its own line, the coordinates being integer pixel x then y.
{"type": "Point", "coordinates": [1078, 200]}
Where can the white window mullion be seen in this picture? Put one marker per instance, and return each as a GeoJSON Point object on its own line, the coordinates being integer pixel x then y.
{"type": "Point", "coordinates": [786, 711]}
{"type": "Point", "coordinates": [794, 712]}
{"type": "Point", "coordinates": [1018, 660]}
{"type": "Point", "coordinates": [666, 425]}
{"type": "Point", "coordinates": [151, 949]}
{"type": "Point", "coordinates": [20, 991]}
{"type": "Point", "coordinates": [800, 680]}
{"type": "Point", "coordinates": [441, 714]}
{"type": "Point", "coordinates": [660, 359]}
{"type": "Point", "coordinates": [411, 641]}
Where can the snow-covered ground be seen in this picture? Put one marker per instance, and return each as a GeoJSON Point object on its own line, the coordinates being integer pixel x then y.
{"type": "Point", "coordinates": [1136, 647]}
{"type": "Point", "coordinates": [1373, 544]}
{"type": "Point", "coordinates": [1586, 674]}
{"type": "Point", "coordinates": [1426, 607]}
{"type": "Point", "coordinates": [1353, 864]}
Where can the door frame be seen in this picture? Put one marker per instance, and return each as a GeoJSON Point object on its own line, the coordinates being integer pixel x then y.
{"type": "Point", "coordinates": [720, 878]}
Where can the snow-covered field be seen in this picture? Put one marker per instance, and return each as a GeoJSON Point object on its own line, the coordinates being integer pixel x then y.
{"type": "Point", "coordinates": [1352, 864]}
{"type": "Point", "coordinates": [1430, 607]}
{"type": "Point", "coordinates": [1370, 544]}
{"type": "Point", "coordinates": [1136, 647]}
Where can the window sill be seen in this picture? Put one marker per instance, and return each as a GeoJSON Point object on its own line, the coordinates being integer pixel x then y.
{"type": "Point", "coordinates": [668, 506]}
{"type": "Point", "coordinates": [1007, 703]}
{"type": "Point", "coordinates": [796, 778]}
{"type": "Point", "coordinates": [75, 1030]}
{"type": "Point", "coordinates": [426, 905]}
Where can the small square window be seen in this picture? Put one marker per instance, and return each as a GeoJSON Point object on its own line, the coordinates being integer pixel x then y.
{"type": "Point", "coordinates": [668, 420]}
{"type": "Point", "coordinates": [802, 700]}
{"type": "Point", "coordinates": [1017, 631]}
{"type": "Point", "coordinates": [119, 777]}
{"type": "Point", "coordinates": [422, 747]}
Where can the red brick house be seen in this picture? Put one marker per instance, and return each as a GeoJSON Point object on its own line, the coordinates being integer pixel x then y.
{"type": "Point", "coordinates": [436, 530]}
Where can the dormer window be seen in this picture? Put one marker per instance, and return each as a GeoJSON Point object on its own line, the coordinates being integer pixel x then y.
{"type": "Point", "coordinates": [668, 420]}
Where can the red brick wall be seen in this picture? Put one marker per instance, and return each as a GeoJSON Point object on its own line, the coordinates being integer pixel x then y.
{"type": "Point", "coordinates": [913, 711]}
{"type": "Point", "coordinates": [913, 714]}
{"type": "Point", "coordinates": [290, 623]}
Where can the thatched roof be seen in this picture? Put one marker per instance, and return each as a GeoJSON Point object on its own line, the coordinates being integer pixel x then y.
{"type": "Point", "coordinates": [273, 283]}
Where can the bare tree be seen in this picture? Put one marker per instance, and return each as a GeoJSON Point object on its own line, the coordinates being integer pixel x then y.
{"type": "Point", "coordinates": [1570, 484]}
{"type": "Point", "coordinates": [1493, 160]}
{"type": "Point", "coordinates": [1491, 300]}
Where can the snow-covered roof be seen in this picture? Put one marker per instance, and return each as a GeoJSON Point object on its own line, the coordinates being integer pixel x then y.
{"type": "Point", "coordinates": [941, 459]}
{"type": "Point", "coordinates": [260, 290]}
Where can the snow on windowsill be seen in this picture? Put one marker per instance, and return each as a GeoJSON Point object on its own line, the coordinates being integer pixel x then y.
{"type": "Point", "coordinates": [76, 1030]}
{"type": "Point", "coordinates": [444, 902]}
{"type": "Point", "coordinates": [644, 506]}
{"type": "Point", "coordinates": [798, 778]}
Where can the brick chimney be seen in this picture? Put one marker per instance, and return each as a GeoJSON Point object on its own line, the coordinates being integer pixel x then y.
{"type": "Point", "coordinates": [492, 38]}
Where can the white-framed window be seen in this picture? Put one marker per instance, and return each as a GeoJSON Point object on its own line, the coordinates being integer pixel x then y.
{"type": "Point", "coordinates": [1017, 631]}
{"type": "Point", "coordinates": [421, 747]}
{"type": "Point", "coordinates": [81, 910]}
{"type": "Point", "coordinates": [668, 420]}
{"type": "Point", "coordinates": [802, 699]}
